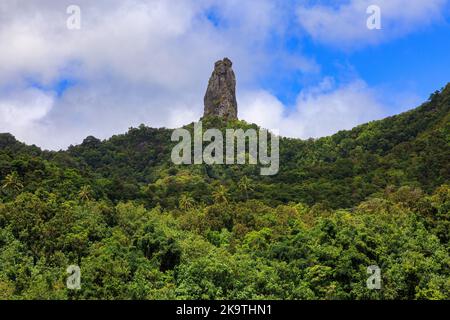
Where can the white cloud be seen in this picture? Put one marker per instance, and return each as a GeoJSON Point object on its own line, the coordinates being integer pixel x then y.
{"type": "Point", "coordinates": [21, 110]}
{"type": "Point", "coordinates": [134, 61]}
{"type": "Point", "coordinates": [140, 61]}
{"type": "Point", "coordinates": [319, 111]}
{"type": "Point", "coordinates": [345, 25]}
{"type": "Point", "coordinates": [262, 108]}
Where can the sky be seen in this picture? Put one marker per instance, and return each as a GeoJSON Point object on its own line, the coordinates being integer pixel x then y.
{"type": "Point", "coordinates": [305, 68]}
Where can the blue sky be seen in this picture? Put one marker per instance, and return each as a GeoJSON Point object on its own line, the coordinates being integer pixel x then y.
{"type": "Point", "coordinates": [306, 68]}
{"type": "Point", "coordinates": [416, 63]}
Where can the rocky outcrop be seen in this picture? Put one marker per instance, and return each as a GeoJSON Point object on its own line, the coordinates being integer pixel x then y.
{"type": "Point", "coordinates": [220, 97]}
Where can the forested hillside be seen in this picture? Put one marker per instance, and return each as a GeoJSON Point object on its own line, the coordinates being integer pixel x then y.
{"type": "Point", "coordinates": [141, 227]}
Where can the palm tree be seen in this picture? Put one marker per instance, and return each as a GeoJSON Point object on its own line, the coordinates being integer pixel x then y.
{"type": "Point", "coordinates": [85, 193]}
{"type": "Point", "coordinates": [186, 202]}
{"type": "Point", "coordinates": [245, 184]}
{"type": "Point", "coordinates": [12, 182]}
{"type": "Point", "coordinates": [220, 195]}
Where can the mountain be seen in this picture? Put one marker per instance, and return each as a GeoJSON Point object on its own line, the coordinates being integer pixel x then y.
{"type": "Point", "coordinates": [141, 227]}
{"type": "Point", "coordinates": [340, 171]}
{"type": "Point", "coordinates": [220, 97]}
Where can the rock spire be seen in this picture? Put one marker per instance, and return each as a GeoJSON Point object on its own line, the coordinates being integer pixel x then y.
{"type": "Point", "coordinates": [220, 97]}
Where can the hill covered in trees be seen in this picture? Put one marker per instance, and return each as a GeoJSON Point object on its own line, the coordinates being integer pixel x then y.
{"type": "Point", "coordinates": [141, 227]}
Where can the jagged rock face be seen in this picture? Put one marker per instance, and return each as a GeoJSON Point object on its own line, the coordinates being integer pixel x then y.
{"type": "Point", "coordinates": [220, 97]}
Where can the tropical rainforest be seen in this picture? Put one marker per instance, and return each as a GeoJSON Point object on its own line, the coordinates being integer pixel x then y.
{"type": "Point", "coordinates": [140, 227]}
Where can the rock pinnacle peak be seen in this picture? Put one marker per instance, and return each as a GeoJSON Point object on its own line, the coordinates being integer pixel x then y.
{"type": "Point", "coordinates": [220, 97]}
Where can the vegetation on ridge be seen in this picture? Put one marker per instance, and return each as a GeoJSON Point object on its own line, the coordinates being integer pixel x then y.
{"type": "Point", "coordinates": [142, 228]}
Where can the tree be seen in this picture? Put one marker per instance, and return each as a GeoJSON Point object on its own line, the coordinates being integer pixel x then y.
{"type": "Point", "coordinates": [12, 182]}
{"type": "Point", "coordinates": [245, 184]}
{"type": "Point", "coordinates": [220, 195]}
{"type": "Point", "coordinates": [186, 202]}
{"type": "Point", "coordinates": [85, 193]}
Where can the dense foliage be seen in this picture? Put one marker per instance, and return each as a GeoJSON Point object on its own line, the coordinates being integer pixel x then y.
{"type": "Point", "coordinates": [142, 228]}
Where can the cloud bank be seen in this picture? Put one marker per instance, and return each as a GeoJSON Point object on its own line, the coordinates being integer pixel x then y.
{"type": "Point", "coordinates": [136, 61]}
{"type": "Point", "coordinates": [345, 24]}
{"type": "Point", "coordinates": [319, 111]}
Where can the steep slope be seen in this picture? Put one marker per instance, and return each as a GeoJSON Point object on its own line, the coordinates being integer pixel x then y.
{"type": "Point", "coordinates": [338, 171]}
{"type": "Point", "coordinates": [411, 148]}
{"type": "Point", "coordinates": [141, 228]}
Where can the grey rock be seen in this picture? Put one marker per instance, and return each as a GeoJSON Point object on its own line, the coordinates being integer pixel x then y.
{"type": "Point", "coordinates": [220, 97]}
